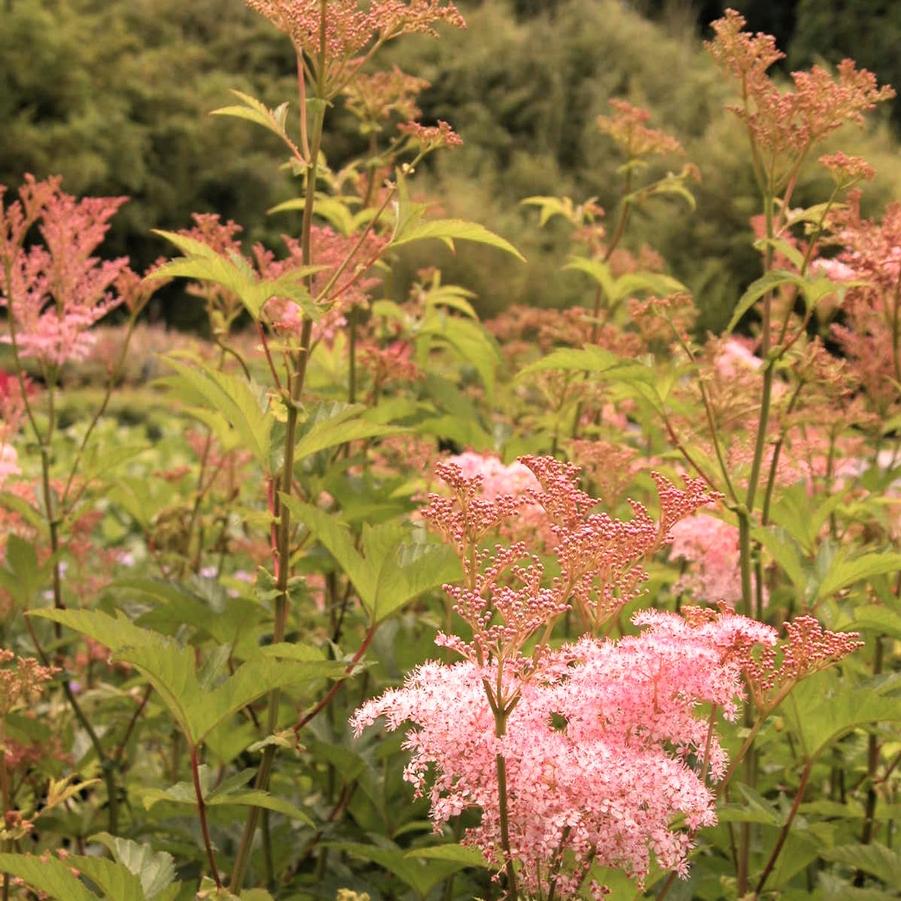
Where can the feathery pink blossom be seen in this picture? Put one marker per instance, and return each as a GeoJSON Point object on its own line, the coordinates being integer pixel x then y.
{"type": "Point", "coordinates": [603, 751]}
{"type": "Point", "coordinates": [57, 289]}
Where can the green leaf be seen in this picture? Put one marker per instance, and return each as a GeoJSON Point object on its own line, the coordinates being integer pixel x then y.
{"type": "Point", "coordinates": [467, 857]}
{"type": "Point", "coordinates": [115, 880]}
{"type": "Point", "coordinates": [241, 404]}
{"type": "Point", "coordinates": [51, 876]}
{"type": "Point", "coordinates": [598, 270]}
{"type": "Point", "coordinates": [403, 569]}
{"type": "Point", "coordinates": [155, 869]}
{"type": "Point", "coordinates": [845, 572]}
{"type": "Point", "coordinates": [595, 360]}
{"type": "Point", "coordinates": [874, 618]}
{"type": "Point", "coordinates": [785, 552]}
{"type": "Point", "coordinates": [113, 632]}
{"type": "Point", "coordinates": [617, 289]}
{"type": "Point", "coordinates": [335, 424]}
{"type": "Point", "coordinates": [454, 297]}
{"type": "Point", "coordinates": [202, 263]}
{"type": "Point", "coordinates": [876, 859]}
{"type": "Point", "coordinates": [257, 112]}
{"type": "Point", "coordinates": [450, 230]}
{"type": "Point", "coordinates": [392, 569]}
{"type": "Point", "coordinates": [421, 875]}
{"type": "Point", "coordinates": [334, 210]}
{"type": "Point", "coordinates": [172, 670]}
{"type": "Point", "coordinates": [230, 793]}
{"type": "Point", "coordinates": [757, 289]}
{"type": "Point", "coordinates": [468, 339]}
{"type": "Point", "coordinates": [791, 253]}
{"type": "Point", "coordinates": [22, 576]}
{"type": "Point", "coordinates": [821, 710]}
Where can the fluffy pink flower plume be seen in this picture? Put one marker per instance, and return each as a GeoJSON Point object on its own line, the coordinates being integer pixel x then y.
{"type": "Point", "coordinates": [57, 289]}
{"type": "Point", "coordinates": [604, 744]}
{"type": "Point", "coordinates": [605, 749]}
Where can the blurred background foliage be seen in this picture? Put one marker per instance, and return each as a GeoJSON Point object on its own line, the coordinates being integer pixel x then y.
{"type": "Point", "coordinates": [113, 95]}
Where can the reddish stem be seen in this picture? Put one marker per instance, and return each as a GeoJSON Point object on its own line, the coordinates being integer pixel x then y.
{"type": "Point", "coordinates": [201, 814]}
{"type": "Point", "coordinates": [330, 694]}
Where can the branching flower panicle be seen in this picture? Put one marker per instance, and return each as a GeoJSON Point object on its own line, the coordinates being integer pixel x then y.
{"type": "Point", "coordinates": [338, 36]}
{"type": "Point", "coordinates": [628, 127]}
{"type": "Point", "coordinates": [807, 649]}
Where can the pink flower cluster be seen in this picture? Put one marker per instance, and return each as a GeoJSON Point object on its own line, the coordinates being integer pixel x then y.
{"type": "Point", "coordinates": [604, 750]}
{"type": "Point", "coordinates": [603, 745]}
{"type": "Point", "coordinates": [56, 290]}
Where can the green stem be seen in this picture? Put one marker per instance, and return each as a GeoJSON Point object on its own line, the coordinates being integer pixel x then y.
{"type": "Point", "coordinates": [869, 820]}
{"type": "Point", "coordinates": [283, 535]}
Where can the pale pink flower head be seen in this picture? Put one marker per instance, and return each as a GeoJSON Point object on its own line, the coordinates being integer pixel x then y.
{"type": "Point", "coordinates": [833, 269]}
{"type": "Point", "coordinates": [336, 36]}
{"type": "Point", "coordinates": [431, 137]}
{"type": "Point", "coordinates": [604, 751]}
{"type": "Point", "coordinates": [628, 126]}
{"type": "Point", "coordinates": [497, 478]}
{"type": "Point", "coordinates": [710, 548]}
{"type": "Point", "coordinates": [735, 357]}
{"type": "Point", "coordinates": [9, 463]}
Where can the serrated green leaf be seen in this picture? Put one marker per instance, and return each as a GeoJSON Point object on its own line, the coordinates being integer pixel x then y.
{"type": "Point", "coordinates": [239, 402]}
{"type": "Point", "coordinates": [421, 875]}
{"type": "Point", "coordinates": [22, 576]}
{"type": "Point", "coordinates": [115, 880]}
{"type": "Point", "coordinates": [113, 632]}
{"type": "Point", "coordinates": [229, 793]}
{"type": "Point", "coordinates": [467, 857]}
{"type": "Point", "coordinates": [50, 876]}
{"type": "Point", "coordinates": [468, 339]}
{"type": "Point", "coordinates": [845, 572]}
{"type": "Point", "coordinates": [597, 270]}
{"type": "Point", "coordinates": [155, 869]}
{"type": "Point", "coordinates": [450, 230]}
{"type": "Point", "coordinates": [257, 112]}
{"type": "Point", "coordinates": [876, 859]}
{"type": "Point", "coordinates": [784, 551]}
{"type": "Point", "coordinates": [758, 288]}
{"type": "Point", "coordinates": [393, 571]}
{"type": "Point", "coordinates": [172, 670]}
{"type": "Point", "coordinates": [873, 618]}
{"type": "Point", "coordinates": [344, 424]}
{"type": "Point", "coordinates": [821, 710]}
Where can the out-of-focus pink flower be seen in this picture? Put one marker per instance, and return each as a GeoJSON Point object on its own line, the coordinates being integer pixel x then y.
{"type": "Point", "coordinates": [834, 269]}
{"type": "Point", "coordinates": [58, 288]}
{"type": "Point", "coordinates": [711, 550]}
{"type": "Point", "coordinates": [9, 463]}
{"type": "Point", "coordinates": [735, 357]}
{"type": "Point", "coordinates": [330, 250]}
